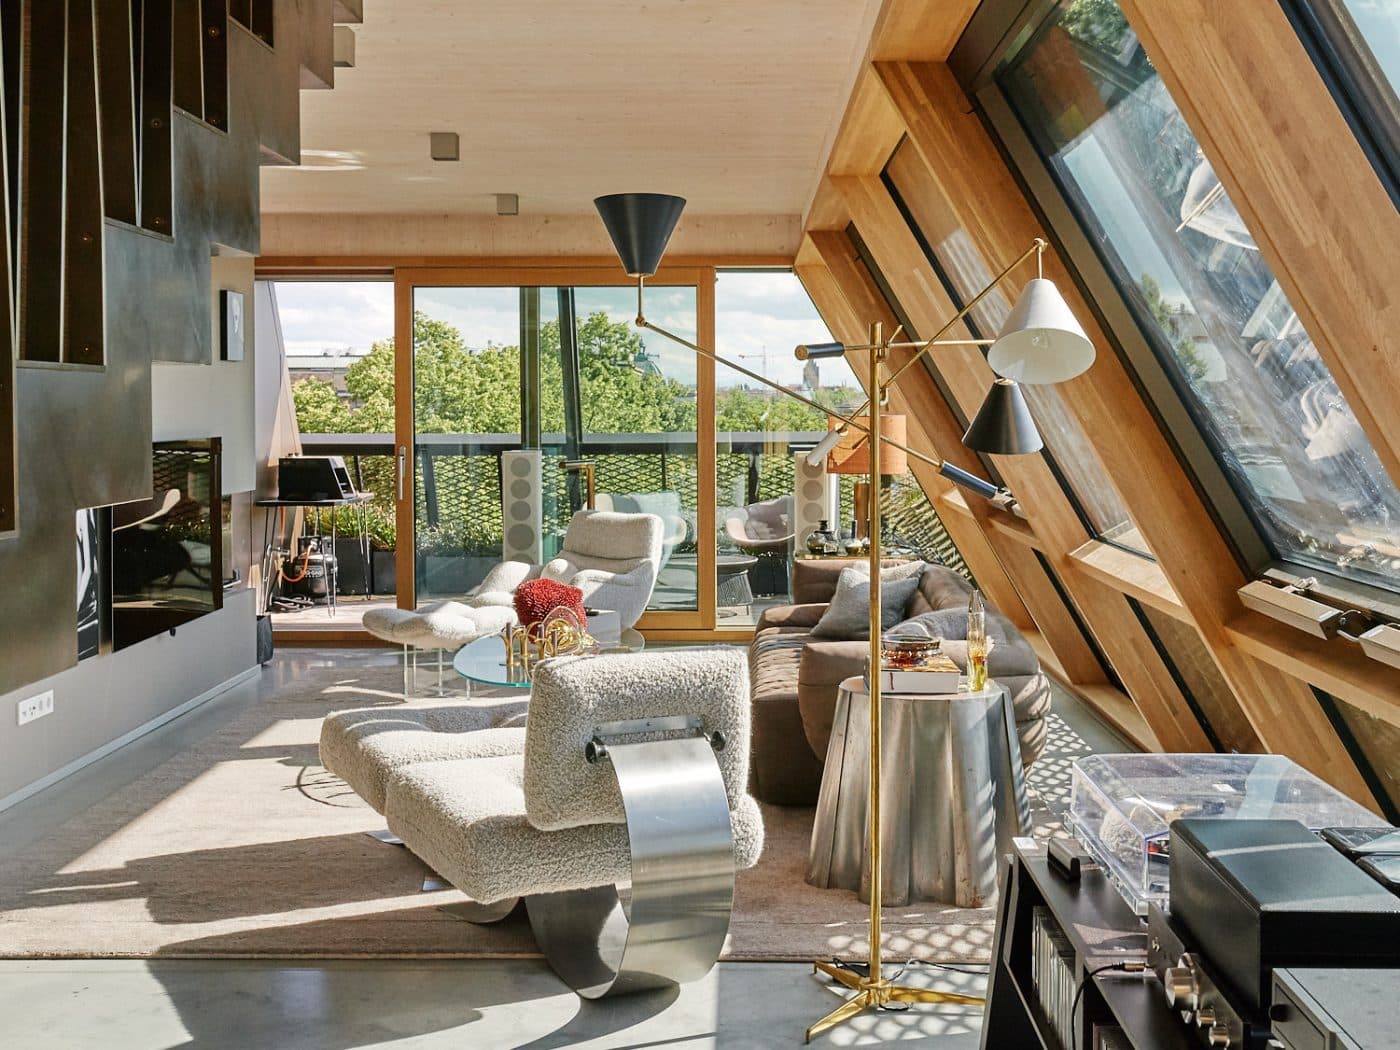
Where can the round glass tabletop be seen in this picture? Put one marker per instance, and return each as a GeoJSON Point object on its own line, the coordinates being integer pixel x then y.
{"type": "Point", "coordinates": [484, 660]}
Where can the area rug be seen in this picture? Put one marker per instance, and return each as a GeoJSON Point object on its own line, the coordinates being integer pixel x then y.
{"type": "Point", "coordinates": [244, 846]}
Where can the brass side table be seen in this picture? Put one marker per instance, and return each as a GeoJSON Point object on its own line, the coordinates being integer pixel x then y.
{"type": "Point", "coordinates": [953, 795]}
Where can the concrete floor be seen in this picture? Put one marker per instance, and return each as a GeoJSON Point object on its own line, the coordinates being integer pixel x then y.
{"type": "Point", "coordinates": [155, 1005]}
{"type": "Point", "coordinates": [251, 1005]}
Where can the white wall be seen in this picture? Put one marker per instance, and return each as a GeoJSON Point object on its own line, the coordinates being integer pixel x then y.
{"type": "Point", "coordinates": [215, 399]}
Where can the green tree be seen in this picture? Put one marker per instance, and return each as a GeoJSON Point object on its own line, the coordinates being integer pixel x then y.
{"type": "Point", "coordinates": [319, 408]}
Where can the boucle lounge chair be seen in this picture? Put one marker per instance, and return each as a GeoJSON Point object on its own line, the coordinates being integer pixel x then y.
{"type": "Point", "coordinates": [634, 770]}
{"type": "Point", "coordinates": [613, 558]}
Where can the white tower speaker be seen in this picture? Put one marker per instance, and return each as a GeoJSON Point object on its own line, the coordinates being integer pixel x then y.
{"type": "Point", "coordinates": [523, 532]}
{"type": "Point", "coordinates": [814, 498]}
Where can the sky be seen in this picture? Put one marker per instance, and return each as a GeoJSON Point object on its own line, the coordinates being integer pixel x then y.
{"type": "Point", "coordinates": [760, 316]}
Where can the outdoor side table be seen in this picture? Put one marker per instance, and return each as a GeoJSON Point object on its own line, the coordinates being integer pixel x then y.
{"type": "Point", "coordinates": [953, 795]}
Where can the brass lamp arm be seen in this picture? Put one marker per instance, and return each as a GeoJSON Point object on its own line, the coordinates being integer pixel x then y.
{"type": "Point", "coordinates": [1037, 249]}
{"type": "Point", "coordinates": [998, 496]}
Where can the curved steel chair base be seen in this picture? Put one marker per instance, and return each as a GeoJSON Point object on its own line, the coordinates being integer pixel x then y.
{"type": "Point", "coordinates": [682, 880]}
{"type": "Point", "coordinates": [482, 914]}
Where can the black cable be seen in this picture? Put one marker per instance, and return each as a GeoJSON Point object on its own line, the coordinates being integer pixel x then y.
{"type": "Point", "coordinates": [1126, 967]}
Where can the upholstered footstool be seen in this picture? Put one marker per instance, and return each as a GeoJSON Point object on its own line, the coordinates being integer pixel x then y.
{"type": "Point", "coordinates": [442, 626]}
{"type": "Point", "coordinates": [366, 748]}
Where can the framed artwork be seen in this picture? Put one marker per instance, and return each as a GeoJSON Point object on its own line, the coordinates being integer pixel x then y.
{"type": "Point", "coordinates": [231, 332]}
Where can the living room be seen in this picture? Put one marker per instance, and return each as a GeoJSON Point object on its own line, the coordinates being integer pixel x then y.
{"type": "Point", "coordinates": [687, 524]}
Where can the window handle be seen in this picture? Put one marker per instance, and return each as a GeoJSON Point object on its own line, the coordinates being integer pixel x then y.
{"type": "Point", "coordinates": [402, 468]}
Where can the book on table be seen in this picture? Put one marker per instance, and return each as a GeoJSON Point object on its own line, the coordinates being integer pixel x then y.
{"type": "Point", "coordinates": [937, 674]}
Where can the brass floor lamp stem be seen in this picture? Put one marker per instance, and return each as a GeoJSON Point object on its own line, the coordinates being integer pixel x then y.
{"type": "Point", "coordinates": [873, 991]}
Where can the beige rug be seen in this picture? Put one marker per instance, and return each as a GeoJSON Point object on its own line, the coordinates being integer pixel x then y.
{"type": "Point", "coordinates": [243, 845]}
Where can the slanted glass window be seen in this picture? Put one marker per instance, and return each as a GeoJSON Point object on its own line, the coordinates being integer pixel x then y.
{"type": "Point", "coordinates": [1204, 296]}
{"type": "Point", "coordinates": [963, 267]}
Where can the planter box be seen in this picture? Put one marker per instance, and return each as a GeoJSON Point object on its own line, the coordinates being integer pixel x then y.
{"type": "Point", "coordinates": [385, 575]}
{"type": "Point", "coordinates": [350, 566]}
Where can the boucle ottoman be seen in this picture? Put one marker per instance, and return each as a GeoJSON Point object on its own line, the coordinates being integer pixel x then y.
{"type": "Point", "coordinates": [365, 748]}
{"type": "Point", "coordinates": [441, 626]}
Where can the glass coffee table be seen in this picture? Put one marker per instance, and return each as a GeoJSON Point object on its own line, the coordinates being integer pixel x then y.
{"type": "Point", "coordinates": [483, 662]}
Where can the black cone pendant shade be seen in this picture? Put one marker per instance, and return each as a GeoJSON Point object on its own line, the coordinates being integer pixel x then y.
{"type": "Point", "coordinates": [1003, 426]}
{"type": "Point", "coordinates": [640, 225]}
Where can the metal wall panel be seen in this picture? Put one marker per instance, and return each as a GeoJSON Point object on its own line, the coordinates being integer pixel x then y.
{"type": "Point", "coordinates": [84, 435]}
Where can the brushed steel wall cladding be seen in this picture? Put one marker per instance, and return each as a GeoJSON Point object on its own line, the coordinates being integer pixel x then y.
{"type": "Point", "coordinates": [348, 11]}
{"type": "Point", "coordinates": [116, 79]}
{"type": "Point", "coordinates": [83, 300]}
{"type": "Point", "coordinates": [316, 39]}
{"type": "Point", "coordinates": [84, 436]}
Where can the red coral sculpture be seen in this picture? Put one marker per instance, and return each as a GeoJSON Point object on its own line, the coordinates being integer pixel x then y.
{"type": "Point", "coordinates": [536, 599]}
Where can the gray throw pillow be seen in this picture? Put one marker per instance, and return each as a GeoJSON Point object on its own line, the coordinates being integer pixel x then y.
{"type": "Point", "coordinates": [908, 569]}
{"type": "Point", "coordinates": [848, 615]}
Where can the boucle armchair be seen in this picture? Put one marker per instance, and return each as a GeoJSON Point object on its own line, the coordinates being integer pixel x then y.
{"type": "Point", "coordinates": [634, 771]}
{"type": "Point", "coordinates": [613, 558]}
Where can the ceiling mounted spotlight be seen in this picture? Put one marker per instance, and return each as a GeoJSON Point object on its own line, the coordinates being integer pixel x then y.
{"type": "Point", "coordinates": [444, 145]}
{"type": "Point", "coordinates": [507, 204]}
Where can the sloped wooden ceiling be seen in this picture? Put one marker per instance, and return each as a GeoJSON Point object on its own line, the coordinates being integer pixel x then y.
{"type": "Point", "coordinates": [905, 93]}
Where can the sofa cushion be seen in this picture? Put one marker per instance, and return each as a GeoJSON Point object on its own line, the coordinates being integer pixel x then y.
{"type": "Point", "coordinates": [848, 615]}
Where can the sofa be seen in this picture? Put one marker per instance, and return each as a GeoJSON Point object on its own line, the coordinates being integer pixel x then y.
{"type": "Point", "coordinates": [794, 677]}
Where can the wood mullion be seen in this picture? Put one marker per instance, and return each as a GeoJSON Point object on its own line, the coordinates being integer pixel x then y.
{"type": "Point", "coordinates": [1195, 557]}
{"type": "Point", "coordinates": [1054, 520]}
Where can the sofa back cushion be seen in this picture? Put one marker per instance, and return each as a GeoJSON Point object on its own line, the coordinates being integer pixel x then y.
{"type": "Point", "coordinates": [939, 588]}
{"type": "Point", "coordinates": [814, 580]}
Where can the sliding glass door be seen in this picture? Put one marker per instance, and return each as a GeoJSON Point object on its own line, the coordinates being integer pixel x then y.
{"type": "Point", "coordinates": [513, 387]}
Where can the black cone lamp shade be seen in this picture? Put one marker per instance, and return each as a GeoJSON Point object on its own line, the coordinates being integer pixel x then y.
{"type": "Point", "coordinates": [1004, 426]}
{"type": "Point", "coordinates": [640, 225]}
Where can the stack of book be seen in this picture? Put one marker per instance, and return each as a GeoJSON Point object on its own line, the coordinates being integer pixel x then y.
{"type": "Point", "coordinates": [935, 674]}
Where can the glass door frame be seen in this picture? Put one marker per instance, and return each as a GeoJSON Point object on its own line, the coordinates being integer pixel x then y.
{"type": "Point", "coordinates": [489, 275]}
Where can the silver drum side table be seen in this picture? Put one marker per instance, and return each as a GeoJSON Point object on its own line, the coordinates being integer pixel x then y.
{"type": "Point", "coordinates": [952, 795]}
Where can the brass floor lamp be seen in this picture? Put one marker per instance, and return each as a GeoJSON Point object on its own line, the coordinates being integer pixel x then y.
{"type": "Point", "coordinates": [1041, 342]}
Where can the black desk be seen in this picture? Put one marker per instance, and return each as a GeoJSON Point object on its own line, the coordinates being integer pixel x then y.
{"type": "Point", "coordinates": [273, 551]}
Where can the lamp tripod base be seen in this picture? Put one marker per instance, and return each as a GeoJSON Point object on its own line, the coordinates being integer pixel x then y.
{"type": "Point", "coordinates": [874, 994]}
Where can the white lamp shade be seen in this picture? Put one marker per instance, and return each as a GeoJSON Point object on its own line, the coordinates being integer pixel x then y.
{"type": "Point", "coordinates": [1041, 342]}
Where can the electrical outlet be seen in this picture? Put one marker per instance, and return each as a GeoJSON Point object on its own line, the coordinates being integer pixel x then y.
{"type": "Point", "coordinates": [35, 707]}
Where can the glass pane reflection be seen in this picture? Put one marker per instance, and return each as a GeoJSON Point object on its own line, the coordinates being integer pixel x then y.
{"type": "Point", "coordinates": [1216, 316]}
